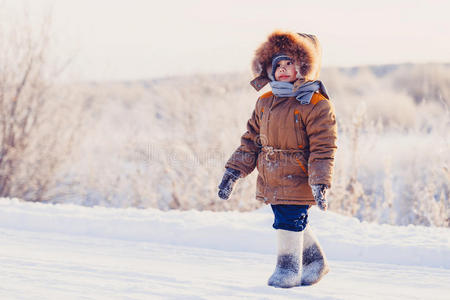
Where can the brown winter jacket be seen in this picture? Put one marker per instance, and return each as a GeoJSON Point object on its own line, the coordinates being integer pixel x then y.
{"type": "Point", "coordinates": [291, 144]}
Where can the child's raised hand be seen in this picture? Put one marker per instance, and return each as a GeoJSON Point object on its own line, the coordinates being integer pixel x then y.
{"type": "Point", "coordinates": [228, 181]}
{"type": "Point", "coordinates": [319, 195]}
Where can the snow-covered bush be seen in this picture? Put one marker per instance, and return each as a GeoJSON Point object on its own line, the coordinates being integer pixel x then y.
{"type": "Point", "coordinates": [38, 123]}
{"type": "Point", "coordinates": [163, 143]}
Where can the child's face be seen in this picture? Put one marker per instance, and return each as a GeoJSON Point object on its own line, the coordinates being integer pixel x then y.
{"type": "Point", "coordinates": [285, 71]}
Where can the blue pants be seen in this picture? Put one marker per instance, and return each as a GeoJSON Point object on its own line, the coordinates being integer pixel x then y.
{"type": "Point", "coordinates": [290, 217]}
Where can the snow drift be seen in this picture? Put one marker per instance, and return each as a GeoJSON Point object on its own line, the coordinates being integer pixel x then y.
{"type": "Point", "coordinates": [343, 238]}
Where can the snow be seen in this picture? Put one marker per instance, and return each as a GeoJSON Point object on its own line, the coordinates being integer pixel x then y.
{"type": "Point", "coordinates": [73, 252]}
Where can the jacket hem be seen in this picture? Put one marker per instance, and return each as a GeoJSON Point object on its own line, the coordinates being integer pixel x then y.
{"type": "Point", "coordinates": [288, 201]}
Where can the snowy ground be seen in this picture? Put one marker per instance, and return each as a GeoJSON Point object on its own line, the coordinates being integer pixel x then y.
{"type": "Point", "coordinates": [74, 252]}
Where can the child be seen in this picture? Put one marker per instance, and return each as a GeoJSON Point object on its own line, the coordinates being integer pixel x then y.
{"type": "Point", "coordinates": [291, 140]}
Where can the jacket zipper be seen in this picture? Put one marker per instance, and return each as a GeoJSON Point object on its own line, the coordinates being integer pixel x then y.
{"type": "Point", "coordinates": [267, 133]}
{"type": "Point", "coordinates": [268, 120]}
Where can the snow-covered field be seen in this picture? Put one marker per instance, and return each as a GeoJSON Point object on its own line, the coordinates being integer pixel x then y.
{"type": "Point", "coordinates": [75, 252]}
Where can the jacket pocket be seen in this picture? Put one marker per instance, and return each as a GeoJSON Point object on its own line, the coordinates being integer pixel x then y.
{"type": "Point", "coordinates": [302, 164]}
{"type": "Point", "coordinates": [298, 128]}
{"type": "Point", "coordinates": [293, 173]}
{"type": "Point", "coordinates": [294, 165]}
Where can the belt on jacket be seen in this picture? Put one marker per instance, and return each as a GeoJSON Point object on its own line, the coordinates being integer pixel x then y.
{"type": "Point", "coordinates": [269, 150]}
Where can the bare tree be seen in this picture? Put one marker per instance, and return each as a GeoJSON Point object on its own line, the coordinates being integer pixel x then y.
{"type": "Point", "coordinates": [36, 127]}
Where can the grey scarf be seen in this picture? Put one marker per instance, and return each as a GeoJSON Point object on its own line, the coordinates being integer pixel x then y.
{"type": "Point", "coordinates": [303, 93]}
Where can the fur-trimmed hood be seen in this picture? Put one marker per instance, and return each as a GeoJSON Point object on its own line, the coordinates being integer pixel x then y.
{"type": "Point", "coordinates": [303, 48]}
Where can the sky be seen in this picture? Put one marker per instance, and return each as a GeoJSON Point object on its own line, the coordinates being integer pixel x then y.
{"type": "Point", "coordinates": [131, 40]}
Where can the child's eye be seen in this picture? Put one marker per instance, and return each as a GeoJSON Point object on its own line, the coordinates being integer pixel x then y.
{"type": "Point", "coordinates": [289, 63]}
{"type": "Point", "coordinates": [278, 65]}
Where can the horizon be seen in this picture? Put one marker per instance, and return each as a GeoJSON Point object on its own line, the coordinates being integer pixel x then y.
{"type": "Point", "coordinates": [224, 73]}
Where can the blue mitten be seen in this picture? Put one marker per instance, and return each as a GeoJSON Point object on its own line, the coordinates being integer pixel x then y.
{"type": "Point", "coordinates": [228, 181]}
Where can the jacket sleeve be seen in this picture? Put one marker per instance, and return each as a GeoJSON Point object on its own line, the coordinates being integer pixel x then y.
{"type": "Point", "coordinates": [245, 156]}
{"type": "Point", "coordinates": [321, 129]}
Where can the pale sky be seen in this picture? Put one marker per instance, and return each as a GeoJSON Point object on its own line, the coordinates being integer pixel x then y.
{"type": "Point", "coordinates": [128, 40]}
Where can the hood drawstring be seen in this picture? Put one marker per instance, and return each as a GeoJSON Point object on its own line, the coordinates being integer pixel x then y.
{"type": "Point", "coordinates": [269, 150]}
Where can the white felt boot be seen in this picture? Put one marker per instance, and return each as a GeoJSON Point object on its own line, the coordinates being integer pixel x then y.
{"type": "Point", "coordinates": [315, 264]}
{"type": "Point", "coordinates": [288, 272]}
